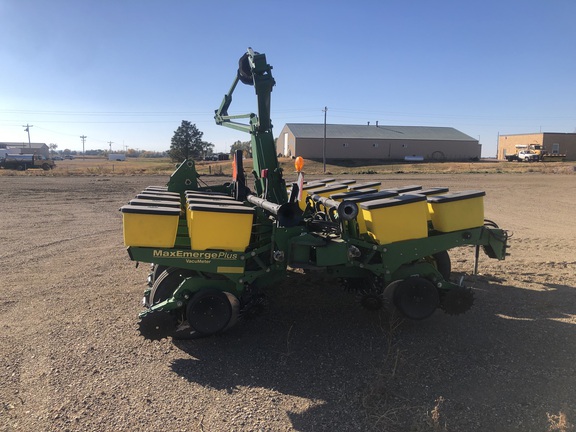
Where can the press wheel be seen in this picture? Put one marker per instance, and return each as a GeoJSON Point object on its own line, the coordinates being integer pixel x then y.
{"type": "Point", "coordinates": [416, 298]}
{"type": "Point", "coordinates": [211, 311]}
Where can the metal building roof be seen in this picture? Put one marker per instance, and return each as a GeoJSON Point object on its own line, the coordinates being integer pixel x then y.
{"type": "Point", "coordinates": [432, 133]}
{"type": "Point", "coordinates": [22, 145]}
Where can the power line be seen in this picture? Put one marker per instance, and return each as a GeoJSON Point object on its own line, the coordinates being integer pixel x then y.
{"type": "Point", "coordinates": [28, 130]}
{"type": "Point", "coordinates": [324, 143]}
{"type": "Point", "coordinates": [83, 138]}
{"type": "Point", "coordinates": [105, 113]}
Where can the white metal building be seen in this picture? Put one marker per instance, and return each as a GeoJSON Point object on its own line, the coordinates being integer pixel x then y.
{"type": "Point", "coordinates": [40, 149]}
{"type": "Point", "coordinates": [376, 142]}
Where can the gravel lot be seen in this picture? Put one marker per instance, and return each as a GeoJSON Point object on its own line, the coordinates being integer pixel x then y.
{"type": "Point", "coordinates": [73, 358]}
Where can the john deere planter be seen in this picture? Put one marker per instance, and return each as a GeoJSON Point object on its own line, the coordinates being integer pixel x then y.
{"type": "Point", "coordinates": [214, 250]}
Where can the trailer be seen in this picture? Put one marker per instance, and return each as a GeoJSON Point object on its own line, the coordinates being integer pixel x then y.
{"type": "Point", "coordinates": [118, 157]}
{"type": "Point", "coordinates": [214, 251]}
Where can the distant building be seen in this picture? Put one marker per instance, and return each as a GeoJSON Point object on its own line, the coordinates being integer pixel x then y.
{"type": "Point", "coordinates": [553, 143]}
{"type": "Point", "coordinates": [40, 149]}
{"type": "Point", "coordinates": [377, 142]}
{"type": "Point", "coordinates": [217, 157]}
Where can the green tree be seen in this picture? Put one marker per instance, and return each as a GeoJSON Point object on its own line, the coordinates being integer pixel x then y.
{"type": "Point", "coordinates": [245, 146]}
{"type": "Point", "coordinates": [187, 143]}
{"type": "Point", "coordinates": [207, 148]}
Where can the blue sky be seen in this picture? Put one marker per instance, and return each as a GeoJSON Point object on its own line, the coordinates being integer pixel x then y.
{"type": "Point", "coordinates": [129, 71]}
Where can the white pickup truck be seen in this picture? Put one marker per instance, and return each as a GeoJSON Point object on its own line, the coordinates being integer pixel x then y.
{"type": "Point", "coordinates": [528, 156]}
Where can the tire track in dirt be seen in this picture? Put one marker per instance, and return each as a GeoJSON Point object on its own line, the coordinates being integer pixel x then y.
{"type": "Point", "coordinates": [42, 246]}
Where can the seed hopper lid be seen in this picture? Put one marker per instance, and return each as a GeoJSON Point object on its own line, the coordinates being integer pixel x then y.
{"type": "Point", "coordinates": [372, 196]}
{"type": "Point", "coordinates": [391, 202]}
{"type": "Point", "coordinates": [157, 197]}
{"type": "Point", "coordinates": [146, 202]}
{"type": "Point", "coordinates": [221, 208]}
{"type": "Point", "coordinates": [150, 210]}
{"type": "Point", "coordinates": [456, 196]}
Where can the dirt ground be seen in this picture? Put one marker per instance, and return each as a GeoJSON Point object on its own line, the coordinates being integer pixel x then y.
{"type": "Point", "coordinates": [72, 357]}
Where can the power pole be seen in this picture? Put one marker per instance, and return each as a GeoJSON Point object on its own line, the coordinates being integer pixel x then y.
{"type": "Point", "coordinates": [28, 130]}
{"type": "Point", "coordinates": [324, 142]}
{"type": "Point", "coordinates": [110, 144]}
{"type": "Point", "coordinates": [83, 138]}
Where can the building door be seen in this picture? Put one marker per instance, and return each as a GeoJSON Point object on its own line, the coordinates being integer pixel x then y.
{"type": "Point", "coordinates": [555, 148]}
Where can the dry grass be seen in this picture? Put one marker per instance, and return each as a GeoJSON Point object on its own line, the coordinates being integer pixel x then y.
{"type": "Point", "coordinates": [387, 406]}
{"type": "Point", "coordinates": [559, 422]}
{"type": "Point", "coordinates": [435, 420]}
{"type": "Point", "coordinates": [92, 166]}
